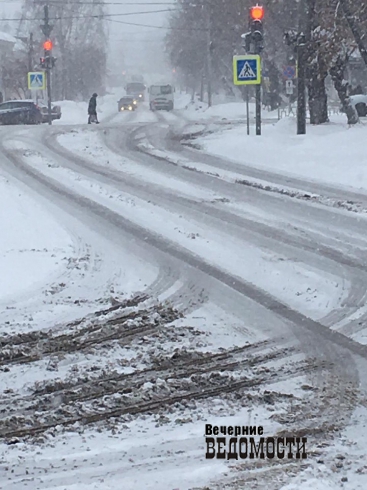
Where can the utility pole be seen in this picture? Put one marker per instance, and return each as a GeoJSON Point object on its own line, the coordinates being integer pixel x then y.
{"type": "Point", "coordinates": [48, 61]}
{"type": "Point", "coordinates": [301, 84]}
{"type": "Point", "coordinates": [304, 28]}
{"type": "Point", "coordinates": [299, 42]}
{"type": "Point", "coordinates": [257, 37]}
{"type": "Point", "coordinates": [209, 54]}
{"type": "Point", "coordinates": [30, 56]}
{"type": "Point", "coordinates": [202, 87]}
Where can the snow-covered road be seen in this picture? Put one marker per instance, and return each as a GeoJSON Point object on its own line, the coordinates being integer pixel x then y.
{"type": "Point", "coordinates": [270, 280]}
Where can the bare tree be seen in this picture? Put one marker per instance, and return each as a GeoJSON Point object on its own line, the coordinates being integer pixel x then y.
{"type": "Point", "coordinates": [80, 44]}
{"type": "Point", "coordinates": [329, 43]}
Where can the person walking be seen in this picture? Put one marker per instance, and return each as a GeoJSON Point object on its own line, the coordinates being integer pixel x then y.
{"type": "Point", "coordinates": [92, 109]}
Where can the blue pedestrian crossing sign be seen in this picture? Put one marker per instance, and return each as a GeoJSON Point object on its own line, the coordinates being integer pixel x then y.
{"type": "Point", "coordinates": [37, 80]}
{"type": "Point", "coordinates": [247, 70]}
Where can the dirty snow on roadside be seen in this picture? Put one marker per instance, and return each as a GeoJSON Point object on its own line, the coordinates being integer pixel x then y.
{"type": "Point", "coordinates": [122, 398]}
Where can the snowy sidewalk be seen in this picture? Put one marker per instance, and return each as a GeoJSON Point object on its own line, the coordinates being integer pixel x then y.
{"type": "Point", "coordinates": [331, 153]}
{"type": "Point", "coordinates": [32, 244]}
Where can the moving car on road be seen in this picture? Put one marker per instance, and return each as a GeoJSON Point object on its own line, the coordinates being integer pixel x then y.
{"type": "Point", "coordinates": [20, 112]}
{"type": "Point", "coordinates": [127, 103]}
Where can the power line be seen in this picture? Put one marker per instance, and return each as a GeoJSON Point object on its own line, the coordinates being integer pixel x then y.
{"type": "Point", "coordinates": [126, 40]}
{"type": "Point", "coordinates": [95, 16]}
{"type": "Point", "coordinates": [80, 2]}
{"type": "Point", "coordinates": [202, 29]}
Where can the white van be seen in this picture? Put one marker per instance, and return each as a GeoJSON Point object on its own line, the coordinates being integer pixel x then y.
{"type": "Point", "coordinates": [161, 97]}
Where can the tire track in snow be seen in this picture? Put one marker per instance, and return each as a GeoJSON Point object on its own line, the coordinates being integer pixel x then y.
{"type": "Point", "coordinates": [340, 379]}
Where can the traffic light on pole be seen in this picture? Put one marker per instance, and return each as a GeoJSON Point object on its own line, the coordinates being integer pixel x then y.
{"type": "Point", "coordinates": [47, 46]}
{"type": "Point", "coordinates": [256, 25]}
{"type": "Point", "coordinates": [48, 61]}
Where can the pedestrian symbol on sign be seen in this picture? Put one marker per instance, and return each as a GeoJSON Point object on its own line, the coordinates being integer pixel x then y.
{"type": "Point", "coordinates": [247, 71]}
{"type": "Point", "coordinates": [36, 81]}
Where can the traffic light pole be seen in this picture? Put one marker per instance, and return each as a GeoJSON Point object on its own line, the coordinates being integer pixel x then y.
{"type": "Point", "coordinates": [46, 28]}
{"type": "Point", "coordinates": [30, 56]}
{"type": "Point", "coordinates": [258, 98]}
{"type": "Point", "coordinates": [256, 27]}
{"type": "Point", "coordinates": [247, 110]}
{"type": "Point", "coordinates": [258, 110]}
{"type": "Point", "coordinates": [254, 45]}
{"type": "Point", "coordinates": [49, 98]}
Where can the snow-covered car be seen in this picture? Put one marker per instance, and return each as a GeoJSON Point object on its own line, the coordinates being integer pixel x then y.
{"type": "Point", "coordinates": [20, 112]}
{"type": "Point", "coordinates": [359, 102]}
{"type": "Point", "coordinates": [55, 112]}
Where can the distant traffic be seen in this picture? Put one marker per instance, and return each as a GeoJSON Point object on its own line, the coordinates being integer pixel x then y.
{"type": "Point", "coordinates": [161, 97]}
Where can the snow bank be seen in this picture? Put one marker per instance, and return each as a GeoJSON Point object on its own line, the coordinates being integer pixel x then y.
{"type": "Point", "coordinates": [77, 112]}
{"type": "Point", "coordinates": [182, 100]}
{"type": "Point", "coordinates": [230, 110]}
{"type": "Point", "coordinates": [330, 153]}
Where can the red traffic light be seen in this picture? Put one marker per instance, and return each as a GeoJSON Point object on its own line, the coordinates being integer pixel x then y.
{"type": "Point", "coordinates": [257, 13]}
{"type": "Point", "coordinates": [47, 45]}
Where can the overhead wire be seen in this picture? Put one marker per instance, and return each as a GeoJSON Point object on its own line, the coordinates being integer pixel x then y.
{"type": "Point", "coordinates": [89, 16]}
{"type": "Point", "coordinates": [202, 29]}
{"type": "Point", "coordinates": [81, 2]}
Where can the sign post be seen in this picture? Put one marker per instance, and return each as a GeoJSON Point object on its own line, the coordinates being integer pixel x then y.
{"type": "Point", "coordinates": [247, 112]}
{"type": "Point", "coordinates": [247, 71]}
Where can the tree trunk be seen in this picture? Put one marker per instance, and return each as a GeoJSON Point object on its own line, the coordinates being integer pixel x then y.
{"type": "Point", "coordinates": [341, 86]}
{"type": "Point", "coordinates": [317, 97]}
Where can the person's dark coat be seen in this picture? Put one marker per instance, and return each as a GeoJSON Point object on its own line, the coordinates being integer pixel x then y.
{"type": "Point", "coordinates": [92, 108]}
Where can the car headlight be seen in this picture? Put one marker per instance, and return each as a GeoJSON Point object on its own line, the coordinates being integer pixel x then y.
{"type": "Point", "coordinates": [134, 102]}
{"type": "Point", "coordinates": [140, 95]}
{"type": "Point", "coordinates": [121, 109]}
{"type": "Point", "coordinates": [130, 108]}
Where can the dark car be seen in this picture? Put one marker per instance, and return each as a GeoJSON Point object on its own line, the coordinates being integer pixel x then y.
{"type": "Point", "coordinates": [55, 111]}
{"type": "Point", "coordinates": [20, 112]}
{"type": "Point", "coordinates": [127, 104]}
